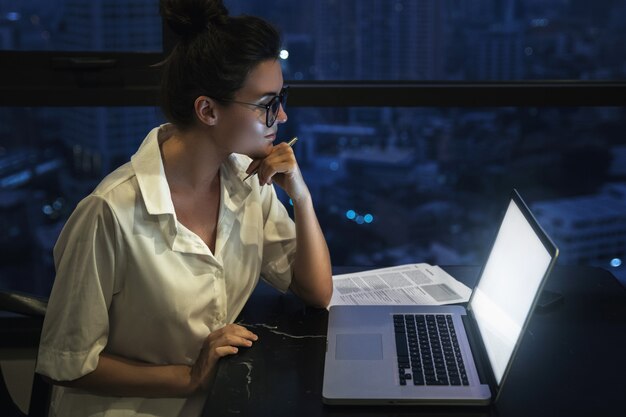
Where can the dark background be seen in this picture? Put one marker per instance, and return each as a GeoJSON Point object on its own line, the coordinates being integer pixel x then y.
{"type": "Point", "coordinates": [417, 175]}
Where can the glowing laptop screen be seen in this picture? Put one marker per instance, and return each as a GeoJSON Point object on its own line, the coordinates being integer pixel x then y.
{"type": "Point", "coordinates": [507, 288]}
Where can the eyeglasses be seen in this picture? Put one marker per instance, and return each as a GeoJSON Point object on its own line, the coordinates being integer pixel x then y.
{"type": "Point", "coordinates": [271, 108]}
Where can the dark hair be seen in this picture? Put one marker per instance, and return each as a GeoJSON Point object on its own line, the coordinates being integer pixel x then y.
{"type": "Point", "coordinates": [213, 56]}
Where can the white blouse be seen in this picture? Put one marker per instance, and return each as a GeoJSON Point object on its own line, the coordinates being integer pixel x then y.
{"type": "Point", "coordinates": [134, 282]}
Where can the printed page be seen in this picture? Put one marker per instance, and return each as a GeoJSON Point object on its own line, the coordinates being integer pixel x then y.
{"type": "Point", "coordinates": [420, 283]}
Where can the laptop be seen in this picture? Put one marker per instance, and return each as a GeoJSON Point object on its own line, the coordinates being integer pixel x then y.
{"type": "Point", "coordinates": [443, 355]}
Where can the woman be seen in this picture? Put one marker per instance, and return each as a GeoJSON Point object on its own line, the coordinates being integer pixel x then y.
{"type": "Point", "coordinates": [154, 266]}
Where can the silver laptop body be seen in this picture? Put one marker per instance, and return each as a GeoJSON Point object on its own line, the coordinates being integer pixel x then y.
{"type": "Point", "coordinates": [365, 362]}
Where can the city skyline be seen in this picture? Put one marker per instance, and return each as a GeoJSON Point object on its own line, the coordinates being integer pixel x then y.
{"type": "Point", "coordinates": [408, 184]}
{"type": "Point", "coordinates": [366, 39]}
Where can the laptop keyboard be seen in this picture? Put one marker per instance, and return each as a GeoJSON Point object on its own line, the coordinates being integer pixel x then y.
{"type": "Point", "coordinates": [428, 350]}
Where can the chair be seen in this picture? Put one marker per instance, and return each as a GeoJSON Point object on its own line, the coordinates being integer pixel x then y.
{"type": "Point", "coordinates": [21, 320]}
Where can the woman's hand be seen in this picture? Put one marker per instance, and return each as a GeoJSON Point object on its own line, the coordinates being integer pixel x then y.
{"type": "Point", "coordinates": [280, 166]}
{"type": "Point", "coordinates": [220, 343]}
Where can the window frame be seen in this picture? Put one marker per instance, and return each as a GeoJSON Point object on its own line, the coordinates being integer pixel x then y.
{"type": "Point", "coordinates": [59, 78]}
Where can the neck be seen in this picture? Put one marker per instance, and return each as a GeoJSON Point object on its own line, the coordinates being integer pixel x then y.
{"type": "Point", "coordinates": [192, 159]}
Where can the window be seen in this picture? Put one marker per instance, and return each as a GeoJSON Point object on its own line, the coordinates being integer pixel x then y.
{"type": "Point", "coordinates": [469, 40]}
{"type": "Point", "coordinates": [76, 25]}
{"type": "Point", "coordinates": [51, 158]}
{"type": "Point", "coordinates": [416, 118]}
{"type": "Point", "coordinates": [400, 185]}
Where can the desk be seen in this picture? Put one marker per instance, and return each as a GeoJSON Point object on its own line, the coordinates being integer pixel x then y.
{"type": "Point", "coordinates": [553, 375]}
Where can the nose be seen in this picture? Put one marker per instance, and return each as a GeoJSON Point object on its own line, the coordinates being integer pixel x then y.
{"type": "Point", "coordinates": [282, 115]}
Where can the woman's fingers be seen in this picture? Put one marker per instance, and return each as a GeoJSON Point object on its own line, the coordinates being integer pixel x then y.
{"type": "Point", "coordinates": [253, 165]}
{"type": "Point", "coordinates": [220, 343]}
{"type": "Point", "coordinates": [239, 331]}
{"type": "Point", "coordinates": [231, 335]}
{"type": "Point", "coordinates": [225, 351]}
{"type": "Point", "coordinates": [233, 340]}
{"type": "Point", "coordinates": [268, 171]}
{"type": "Point", "coordinates": [276, 164]}
{"type": "Point", "coordinates": [281, 168]}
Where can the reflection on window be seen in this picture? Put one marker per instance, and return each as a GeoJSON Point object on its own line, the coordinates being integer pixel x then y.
{"type": "Point", "coordinates": [78, 25]}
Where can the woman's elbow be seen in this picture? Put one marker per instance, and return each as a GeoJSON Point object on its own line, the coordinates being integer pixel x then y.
{"type": "Point", "coordinates": [322, 298]}
{"type": "Point", "coordinates": [69, 384]}
{"type": "Point", "coordinates": [317, 298]}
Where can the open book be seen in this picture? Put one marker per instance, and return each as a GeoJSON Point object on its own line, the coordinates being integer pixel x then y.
{"type": "Point", "coordinates": [405, 284]}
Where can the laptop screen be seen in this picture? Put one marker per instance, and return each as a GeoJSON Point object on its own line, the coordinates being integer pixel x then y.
{"type": "Point", "coordinates": [508, 285]}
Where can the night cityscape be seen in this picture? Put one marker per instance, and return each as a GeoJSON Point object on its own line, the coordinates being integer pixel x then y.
{"type": "Point", "coordinates": [390, 185]}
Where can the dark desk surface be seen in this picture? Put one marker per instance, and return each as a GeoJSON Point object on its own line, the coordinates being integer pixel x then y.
{"type": "Point", "coordinates": [553, 373]}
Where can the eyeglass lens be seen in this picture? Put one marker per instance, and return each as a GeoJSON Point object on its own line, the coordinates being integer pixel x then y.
{"type": "Point", "coordinates": [275, 107]}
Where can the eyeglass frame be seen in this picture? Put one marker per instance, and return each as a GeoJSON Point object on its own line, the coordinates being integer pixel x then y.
{"type": "Point", "coordinates": [282, 100]}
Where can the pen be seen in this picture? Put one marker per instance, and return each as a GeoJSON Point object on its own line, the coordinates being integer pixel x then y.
{"type": "Point", "coordinates": [290, 143]}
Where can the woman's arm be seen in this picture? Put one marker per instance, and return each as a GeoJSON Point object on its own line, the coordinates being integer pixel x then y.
{"type": "Point", "coordinates": [121, 377]}
{"type": "Point", "coordinates": [312, 276]}
{"type": "Point", "coordinates": [312, 279]}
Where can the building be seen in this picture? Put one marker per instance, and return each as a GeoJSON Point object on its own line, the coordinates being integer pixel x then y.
{"type": "Point", "coordinates": [369, 40]}
{"type": "Point", "coordinates": [589, 230]}
{"type": "Point", "coordinates": [101, 139]}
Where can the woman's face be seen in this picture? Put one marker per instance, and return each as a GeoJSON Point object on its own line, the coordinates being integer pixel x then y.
{"type": "Point", "coordinates": [243, 126]}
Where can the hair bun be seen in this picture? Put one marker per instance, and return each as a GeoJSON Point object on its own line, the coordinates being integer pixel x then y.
{"type": "Point", "coordinates": [190, 17]}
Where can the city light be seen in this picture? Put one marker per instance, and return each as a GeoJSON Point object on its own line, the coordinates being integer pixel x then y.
{"type": "Point", "coordinates": [284, 54]}
{"type": "Point", "coordinates": [616, 262]}
{"type": "Point", "coordinates": [13, 16]}
{"type": "Point", "coordinates": [358, 218]}
{"type": "Point", "coordinates": [542, 22]}
{"type": "Point", "coordinates": [57, 204]}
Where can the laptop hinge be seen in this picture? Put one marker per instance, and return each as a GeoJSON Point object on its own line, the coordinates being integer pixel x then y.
{"type": "Point", "coordinates": [483, 367]}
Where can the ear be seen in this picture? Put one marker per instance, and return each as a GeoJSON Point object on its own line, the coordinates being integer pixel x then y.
{"type": "Point", "coordinates": [206, 110]}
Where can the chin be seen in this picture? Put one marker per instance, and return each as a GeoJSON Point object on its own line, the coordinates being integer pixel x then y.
{"type": "Point", "coordinates": [261, 149]}
{"type": "Point", "coordinates": [258, 154]}
{"type": "Point", "coordinates": [267, 149]}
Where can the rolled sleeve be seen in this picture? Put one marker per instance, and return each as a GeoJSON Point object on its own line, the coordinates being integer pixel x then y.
{"type": "Point", "coordinates": [279, 242]}
{"type": "Point", "coordinates": [76, 325]}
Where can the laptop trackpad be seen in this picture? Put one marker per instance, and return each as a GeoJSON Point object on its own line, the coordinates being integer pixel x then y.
{"type": "Point", "coordinates": [359, 347]}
